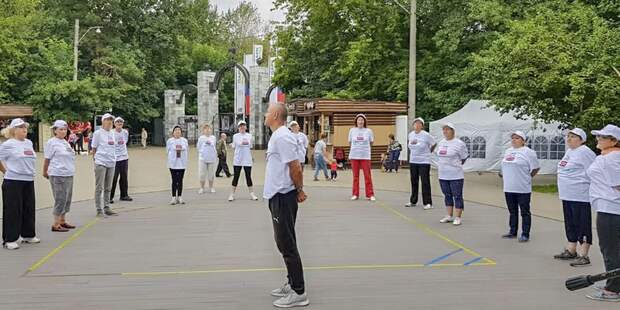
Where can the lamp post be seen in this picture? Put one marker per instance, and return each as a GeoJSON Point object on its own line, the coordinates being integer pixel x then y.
{"type": "Point", "coordinates": [412, 65]}
{"type": "Point", "coordinates": [76, 44]}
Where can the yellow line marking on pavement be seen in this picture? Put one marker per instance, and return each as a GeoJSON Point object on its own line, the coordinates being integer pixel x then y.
{"type": "Point", "coordinates": [431, 232]}
{"type": "Point", "coordinates": [65, 243]}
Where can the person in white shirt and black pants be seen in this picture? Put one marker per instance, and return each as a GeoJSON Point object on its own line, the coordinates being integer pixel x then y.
{"type": "Point", "coordinates": [573, 187]}
{"type": "Point", "coordinates": [284, 190]}
{"type": "Point", "coordinates": [421, 146]}
{"type": "Point", "coordinates": [604, 176]}
{"type": "Point", "coordinates": [59, 168]}
{"type": "Point", "coordinates": [121, 136]}
{"type": "Point", "coordinates": [177, 148]}
{"type": "Point", "coordinates": [519, 166]}
{"type": "Point", "coordinates": [242, 144]}
{"type": "Point", "coordinates": [17, 163]}
{"type": "Point", "coordinates": [104, 153]}
{"type": "Point", "coordinates": [452, 154]}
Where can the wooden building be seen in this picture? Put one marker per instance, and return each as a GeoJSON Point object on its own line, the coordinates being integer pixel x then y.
{"type": "Point", "coordinates": [336, 117]}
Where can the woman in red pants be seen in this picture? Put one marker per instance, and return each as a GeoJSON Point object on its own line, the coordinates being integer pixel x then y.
{"type": "Point", "coordinates": [361, 138]}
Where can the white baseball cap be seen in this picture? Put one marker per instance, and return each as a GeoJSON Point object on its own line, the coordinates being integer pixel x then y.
{"type": "Point", "coordinates": [119, 119]}
{"type": "Point", "coordinates": [578, 131]}
{"type": "Point", "coordinates": [106, 116]}
{"type": "Point", "coordinates": [60, 124]}
{"type": "Point", "coordinates": [18, 122]}
{"type": "Point", "coordinates": [520, 134]}
{"type": "Point", "coordinates": [609, 130]}
{"type": "Point", "coordinates": [449, 125]}
{"type": "Point", "coordinates": [421, 120]}
{"type": "Point", "coordinates": [293, 123]}
{"type": "Point", "coordinates": [241, 123]}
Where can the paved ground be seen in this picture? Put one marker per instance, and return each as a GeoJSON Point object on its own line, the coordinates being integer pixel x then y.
{"type": "Point", "coordinates": [211, 254]}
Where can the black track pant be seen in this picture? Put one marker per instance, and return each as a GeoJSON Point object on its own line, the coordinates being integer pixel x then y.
{"type": "Point", "coordinates": [248, 175]}
{"type": "Point", "coordinates": [122, 166]}
{"type": "Point", "coordinates": [18, 210]}
{"type": "Point", "coordinates": [177, 181]}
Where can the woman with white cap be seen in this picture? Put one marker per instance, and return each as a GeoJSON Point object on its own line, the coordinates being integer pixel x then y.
{"type": "Point", "coordinates": [242, 144]}
{"type": "Point", "coordinates": [573, 187]}
{"type": "Point", "coordinates": [421, 146]}
{"type": "Point", "coordinates": [361, 138]}
{"type": "Point", "coordinates": [604, 174]}
{"type": "Point", "coordinates": [59, 168]}
{"type": "Point", "coordinates": [17, 163]}
{"type": "Point", "coordinates": [121, 136]}
{"type": "Point", "coordinates": [519, 166]}
{"type": "Point", "coordinates": [103, 147]}
{"type": "Point", "coordinates": [207, 158]}
{"type": "Point", "coordinates": [302, 142]}
{"type": "Point", "coordinates": [452, 154]}
{"type": "Point", "coordinates": [177, 148]}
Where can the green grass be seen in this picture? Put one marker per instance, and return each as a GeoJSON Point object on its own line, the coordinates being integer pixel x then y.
{"type": "Point", "coordinates": [548, 188]}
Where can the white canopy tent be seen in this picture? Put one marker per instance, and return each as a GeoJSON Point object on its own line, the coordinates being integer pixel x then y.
{"type": "Point", "coordinates": [487, 135]}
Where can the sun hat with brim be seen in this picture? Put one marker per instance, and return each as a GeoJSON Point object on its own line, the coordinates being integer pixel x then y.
{"type": "Point", "coordinates": [119, 119]}
{"type": "Point", "coordinates": [578, 131]}
{"type": "Point", "coordinates": [519, 133]}
{"type": "Point", "coordinates": [418, 119]}
{"type": "Point", "coordinates": [18, 122]}
{"type": "Point", "coordinates": [60, 124]}
{"type": "Point", "coordinates": [107, 116]}
{"type": "Point", "coordinates": [609, 130]}
{"type": "Point", "coordinates": [242, 123]}
{"type": "Point", "coordinates": [449, 125]}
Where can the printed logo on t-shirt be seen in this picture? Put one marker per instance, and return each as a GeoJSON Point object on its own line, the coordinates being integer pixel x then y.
{"type": "Point", "coordinates": [120, 142]}
{"type": "Point", "coordinates": [28, 152]}
{"type": "Point", "coordinates": [110, 142]}
{"type": "Point", "coordinates": [510, 157]}
{"type": "Point", "coordinates": [443, 150]}
{"type": "Point", "coordinates": [179, 147]}
{"type": "Point", "coordinates": [360, 138]}
{"type": "Point", "coordinates": [245, 142]}
{"type": "Point", "coordinates": [563, 163]}
{"type": "Point", "coordinates": [414, 141]}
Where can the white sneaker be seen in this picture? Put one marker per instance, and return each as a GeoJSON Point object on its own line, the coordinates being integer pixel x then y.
{"type": "Point", "coordinates": [31, 240]}
{"type": "Point", "coordinates": [409, 205]}
{"type": "Point", "coordinates": [253, 197]}
{"type": "Point", "coordinates": [173, 201]}
{"type": "Point", "coordinates": [11, 245]}
{"type": "Point", "coordinates": [428, 207]}
{"type": "Point", "coordinates": [201, 191]}
{"type": "Point", "coordinates": [282, 291]}
{"type": "Point", "coordinates": [372, 198]}
{"type": "Point", "coordinates": [292, 300]}
{"type": "Point", "coordinates": [354, 197]}
{"type": "Point", "coordinates": [457, 221]}
{"type": "Point", "coordinates": [180, 200]}
{"type": "Point", "coordinates": [231, 197]}
{"type": "Point", "coordinates": [446, 219]}
{"type": "Point", "coordinates": [213, 190]}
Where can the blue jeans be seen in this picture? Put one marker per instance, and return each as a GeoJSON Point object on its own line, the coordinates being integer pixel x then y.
{"type": "Point", "coordinates": [453, 193]}
{"type": "Point", "coordinates": [393, 160]}
{"type": "Point", "coordinates": [516, 202]}
{"type": "Point", "coordinates": [319, 163]}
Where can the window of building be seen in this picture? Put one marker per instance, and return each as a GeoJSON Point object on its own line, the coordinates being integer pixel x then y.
{"type": "Point", "coordinates": [540, 145]}
{"type": "Point", "coordinates": [467, 144]}
{"type": "Point", "coordinates": [478, 148]}
{"type": "Point", "coordinates": [557, 147]}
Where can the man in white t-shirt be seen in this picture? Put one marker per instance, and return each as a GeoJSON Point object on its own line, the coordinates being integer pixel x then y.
{"type": "Point", "coordinates": [121, 136]}
{"type": "Point", "coordinates": [104, 154]}
{"type": "Point", "coordinates": [284, 190]}
{"type": "Point", "coordinates": [302, 142]}
{"type": "Point", "coordinates": [421, 145]}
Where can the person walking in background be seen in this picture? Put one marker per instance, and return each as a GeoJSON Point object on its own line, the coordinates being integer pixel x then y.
{"type": "Point", "coordinates": [302, 142]}
{"type": "Point", "coordinates": [604, 174]}
{"type": "Point", "coordinates": [177, 148]}
{"type": "Point", "coordinates": [242, 144]}
{"type": "Point", "coordinates": [121, 136]}
{"type": "Point", "coordinates": [17, 163]}
{"type": "Point", "coordinates": [80, 137]}
{"type": "Point", "coordinates": [59, 168]}
{"type": "Point", "coordinates": [104, 153]}
{"type": "Point", "coordinates": [222, 165]}
{"type": "Point", "coordinates": [394, 149]}
{"type": "Point", "coordinates": [361, 139]}
{"type": "Point", "coordinates": [573, 187]}
{"type": "Point", "coordinates": [144, 135]}
{"type": "Point", "coordinates": [207, 159]}
{"type": "Point", "coordinates": [73, 141]}
{"type": "Point", "coordinates": [519, 166]}
{"type": "Point", "coordinates": [320, 157]}
{"type": "Point", "coordinates": [452, 154]}
{"type": "Point", "coordinates": [421, 145]}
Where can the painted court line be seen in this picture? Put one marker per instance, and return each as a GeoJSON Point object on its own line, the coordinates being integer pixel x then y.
{"type": "Point", "coordinates": [473, 261]}
{"type": "Point", "coordinates": [442, 257]}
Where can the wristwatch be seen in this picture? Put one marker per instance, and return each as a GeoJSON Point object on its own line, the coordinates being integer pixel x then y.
{"type": "Point", "coordinates": [300, 189]}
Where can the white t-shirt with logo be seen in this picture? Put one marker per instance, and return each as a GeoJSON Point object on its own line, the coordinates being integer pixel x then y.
{"type": "Point", "coordinates": [19, 159]}
{"type": "Point", "coordinates": [121, 144]}
{"type": "Point", "coordinates": [281, 150]}
{"type": "Point", "coordinates": [242, 143]}
{"type": "Point", "coordinates": [420, 145]}
{"type": "Point", "coordinates": [360, 140]}
{"type": "Point", "coordinates": [61, 157]}
{"type": "Point", "coordinates": [206, 149]}
{"type": "Point", "coordinates": [450, 154]}
{"type": "Point", "coordinates": [517, 166]}
{"type": "Point", "coordinates": [302, 145]}
{"type": "Point", "coordinates": [177, 160]}
{"type": "Point", "coordinates": [573, 181]}
{"type": "Point", "coordinates": [105, 143]}
{"type": "Point", "coordinates": [604, 174]}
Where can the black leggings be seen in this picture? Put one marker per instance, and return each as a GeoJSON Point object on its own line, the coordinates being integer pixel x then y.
{"type": "Point", "coordinates": [177, 181]}
{"type": "Point", "coordinates": [237, 172]}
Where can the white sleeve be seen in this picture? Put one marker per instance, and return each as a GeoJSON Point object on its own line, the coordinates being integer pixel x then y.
{"type": "Point", "coordinates": [534, 164]}
{"type": "Point", "coordinates": [350, 135]}
{"type": "Point", "coordinates": [431, 140]}
{"type": "Point", "coordinates": [464, 152]}
{"type": "Point", "coordinates": [612, 169]}
{"type": "Point", "coordinates": [287, 147]}
{"type": "Point", "coordinates": [95, 143]}
{"type": "Point", "coordinates": [233, 144]}
{"type": "Point", "coordinates": [371, 136]}
{"type": "Point", "coordinates": [199, 143]}
{"type": "Point", "coordinates": [48, 151]}
{"type": "Point", "coordinates": [5, 151]}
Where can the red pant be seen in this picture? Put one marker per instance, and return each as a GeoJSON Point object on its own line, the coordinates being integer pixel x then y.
{"type": "Point", "coordinates": [356, 164]}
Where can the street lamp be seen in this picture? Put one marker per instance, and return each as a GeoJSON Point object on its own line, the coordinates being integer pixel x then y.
{"type": "Point", "coordinates": [76, 43]}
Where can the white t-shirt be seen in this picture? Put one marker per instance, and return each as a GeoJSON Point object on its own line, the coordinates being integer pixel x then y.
{"type": "Point", "coordinates": [104, 142]}
{"type": "Point", "coordinates": [604, 174]}
{"type": "Point", "coordinates": [302, 143]}
{"type": "Point", "coordinates": [121, 144]}
{"type": "Point", "coordinates": [172, 146]}
{"type": "Point", "coordinates": [319, 147]}
{"type": "Point", "coordinates": [61, 157]}
{"type": "Point", "coordinates": [573, 182]}
{"type": "Point", "coordinates": [450, 154]}
{"type": "Point", "coordinates": [360, 140]}
{"type": "Point", "coordinates": [420, 145]}
{"type": "Point", "coordinates": [206, 149]}
{"type": "Point", "coordinates": [19, 159]}
{"type": "Point", "coordinates": [281, 150]}
{"type": "Point", "coordinates": [517, 166]}
{"type": "Point", "coordinates": [242, 143]}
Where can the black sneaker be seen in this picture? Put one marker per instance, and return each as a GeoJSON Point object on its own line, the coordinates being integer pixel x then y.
{"type": "Point", "coordinates": [566, 255]}
{"type": "Point", "coordinates": [581, 261]}
{"type": "Point", "coordinates": [109, 212]}
{"type": "Point", "coordinates": [111, 200]}
{"type": "Point", "coordinates": [509, 236]}
{"type": "Point", "coordinates": [127, 198]}
{"type": "Point", "coordinates": [523, 239]}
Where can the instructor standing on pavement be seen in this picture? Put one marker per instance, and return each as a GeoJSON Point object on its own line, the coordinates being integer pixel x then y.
{"type": "Point", "coordinates": [284, 190]}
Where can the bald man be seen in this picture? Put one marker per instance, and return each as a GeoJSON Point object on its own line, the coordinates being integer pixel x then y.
{"type": "Point", "coordinates": [284, 190]}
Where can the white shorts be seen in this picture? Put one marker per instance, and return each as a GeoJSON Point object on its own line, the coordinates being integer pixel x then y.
{"type": "Point", "coordinates": [206, 170]}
